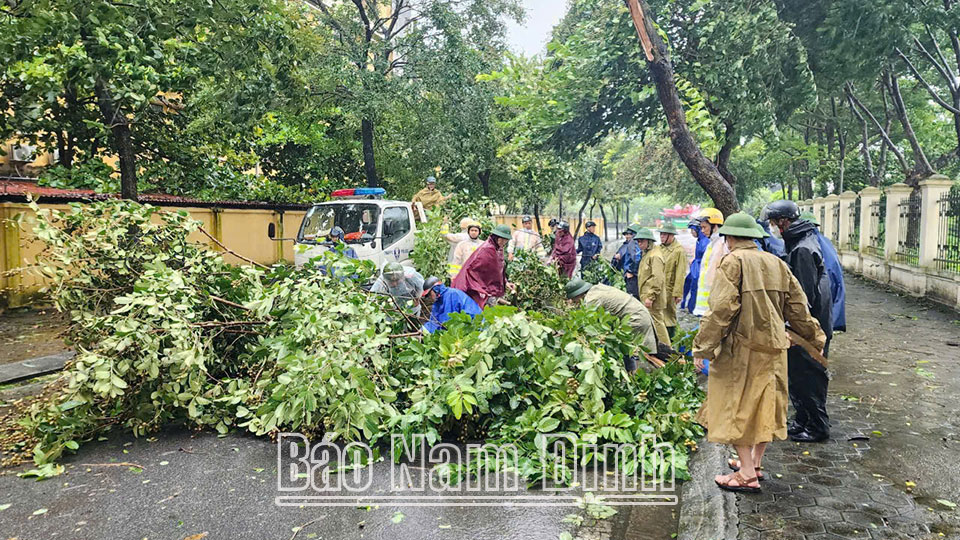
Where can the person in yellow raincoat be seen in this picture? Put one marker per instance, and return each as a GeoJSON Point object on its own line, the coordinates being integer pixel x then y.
{"type": "Point", "coordinates": [674, 273]}
{"type": "Point", "coordinates": [650, 282]}
{"type": "Point", "coordinates": [753, 296]}
{"type": "Point", "coordinates": [429, 196]}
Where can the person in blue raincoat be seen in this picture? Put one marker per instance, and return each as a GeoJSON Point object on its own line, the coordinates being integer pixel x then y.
{"type": "Point", "coordinates": [589, 246]}
{"type": "Point", "coordinates": [689, 300]}
{"type": "Point", "coordinates": [627, 260]}
{"type": "Point", "coordinates": [445, 300]}
{"type": "Point", "coordinates": [770, 243]}
{"type": "Point", "coordinates": [831, 262]}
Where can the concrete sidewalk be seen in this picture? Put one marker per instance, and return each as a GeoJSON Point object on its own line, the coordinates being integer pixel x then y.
{"type": "Point", "coordinates": [891, 466]}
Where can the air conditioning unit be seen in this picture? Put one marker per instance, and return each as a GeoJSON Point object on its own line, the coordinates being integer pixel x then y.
{"type": "Point", "coordinates": [23, 152]}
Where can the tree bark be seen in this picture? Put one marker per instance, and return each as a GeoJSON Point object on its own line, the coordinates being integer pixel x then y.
{"type": "Point", "coordinates": [121, 139]}
{"type": "Point", "coordinates": [921, 167]}
{"type": "Point", "coordinates": [604, 216]}
{"type": "Point", "coordinates": [865, 143]}
{"type": "Point", "coordinates": [484, 177]}
{"type": "Point", "coordinates": [580, 212]}
{"type": "Point", "coordinates": [723, 157]}
{"type": "Point", "coordinates": [658, 61]}
{"type": "Point", "coordinates": [536, 217]}
{"type": "Point", "coordinates": [369, 162]}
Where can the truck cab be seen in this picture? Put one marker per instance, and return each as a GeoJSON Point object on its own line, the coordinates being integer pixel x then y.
{"type": "Point", "coordinates": [378, 230]}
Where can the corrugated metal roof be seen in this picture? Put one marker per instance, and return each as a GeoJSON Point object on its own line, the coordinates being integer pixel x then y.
{"type": "Point", "coordinates": [17, 189]}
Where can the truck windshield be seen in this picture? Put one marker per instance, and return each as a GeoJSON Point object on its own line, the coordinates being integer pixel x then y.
{"type": "Point", "coordinates": [356, 219]}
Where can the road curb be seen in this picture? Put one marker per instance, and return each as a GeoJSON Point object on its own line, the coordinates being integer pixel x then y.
{"type": "Point", "coordinates": [707, 513]}
{"type": "Point", "coordinates": [28, 369]}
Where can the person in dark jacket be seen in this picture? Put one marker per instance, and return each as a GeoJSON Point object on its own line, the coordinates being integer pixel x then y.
{"type": "Point", "coordinates": [689, 300]}
{"type": "Point", "coordinates": [837, 289]}
{"type": "Point", "coordinates": [807, 378]}
{"type": "Point", "coordinates": [627, 259]}
{"type": "Point", "coordinates": [589, 246]}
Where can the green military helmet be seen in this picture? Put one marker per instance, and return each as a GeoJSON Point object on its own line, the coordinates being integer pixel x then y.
{"type": "Point", "coordinates": [576, 287]}
{"type": "Point", "coordinates": [809, 216]}
{"type": "Point", "coordinates": [393, 269]}
{"type": "Point", "coordinates": [644, 233]}
{"type": "Point", "coordinates": [503, 231]}
{"type": "Point", "coordinates": [742, 225]}
{"type": "Point", "coordinates": [761, 229]}
{"type": "Point", "coordinates": [668, 227]}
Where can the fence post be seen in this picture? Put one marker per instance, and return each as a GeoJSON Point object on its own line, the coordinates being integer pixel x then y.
{"type": "Point", "coordinates": [846, 227]}
{"type": "Point", "coordinates": [817, 205]}
{"type": "Point", "coordinates": [895, 194]}
{"type": "Point", "coordinates": [829, 203]}
{"type": "Point", "coordinates": [806, 206]}
{"type": "Point", "coordinates": [868, 196]}
{"type": "Point", "coordinates": [931, 190]}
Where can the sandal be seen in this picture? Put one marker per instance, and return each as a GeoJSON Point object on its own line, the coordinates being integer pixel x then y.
{"type": "Point", "coordinates": [741, 486]}
{"type": "Point", "coordinates": [733, 464]}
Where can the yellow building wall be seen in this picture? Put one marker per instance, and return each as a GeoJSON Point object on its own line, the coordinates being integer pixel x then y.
{"type": "Point", "coordinates": [515, 222]}
{"type": "Point", "coordinates": [241, 230]}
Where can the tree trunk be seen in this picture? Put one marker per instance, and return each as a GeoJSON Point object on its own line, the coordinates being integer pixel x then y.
{"type": "Point", "coordinates": [921, 167]}
{"type": "Point", "coordinates": [723, 157]}
{"type": "Point", "coordinates": [484, 177]}
{"type": "Point", "coordinates": [658, 61]}
{"type": "Point", "coordinates": [119, 127]}
{"type": "Point", "coordinates": [865, 143]}
{"type": "Point", "coordinates": [604, 216]}
{"type": "Point", "coordinates": [64, 149]}
{"type": "Point", "coordinates": [616, 219]}
{"type": "Point", "coordinates": [369, 163]}
{"type": "Point", "coordinates": [536, 217]}
{"type": "Point", "coordinates": [580, 212]}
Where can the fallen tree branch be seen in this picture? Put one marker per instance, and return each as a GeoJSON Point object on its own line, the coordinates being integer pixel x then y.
{"type": "Point", "coordinates": [228, 302]}
{"type": "Point", "coordinates": [230, 251]}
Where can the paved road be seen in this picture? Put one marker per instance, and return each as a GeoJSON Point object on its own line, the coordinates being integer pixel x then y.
{"type": "Point", "coordinates": [895, 445]}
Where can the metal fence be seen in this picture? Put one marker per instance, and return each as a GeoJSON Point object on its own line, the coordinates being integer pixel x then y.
{"type": "Point", "coordinates": [878, 225]}
{"type": "Point", "coordinates": [853, 211]}
{"type": "Point", "coordinates": [823, 216]}
{"type": "Point", "coordinates": [908, 237]}
{"type": "Point", "coordinates": [835, 232]}
{"type": "Point", "coordinates": [948, 239]}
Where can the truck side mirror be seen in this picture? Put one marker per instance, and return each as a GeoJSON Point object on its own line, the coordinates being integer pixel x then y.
{"type": "Point", "coordinates": [272, 230]}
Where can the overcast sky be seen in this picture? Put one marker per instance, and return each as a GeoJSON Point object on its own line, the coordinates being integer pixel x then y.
{"type": "Point", "coordinates": [531, 38]}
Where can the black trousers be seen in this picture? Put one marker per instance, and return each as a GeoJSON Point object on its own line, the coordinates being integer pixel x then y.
{"type": "Point", "coordinates": [632, 287]}
{"type": "Point", "coordinates": [807, 382]}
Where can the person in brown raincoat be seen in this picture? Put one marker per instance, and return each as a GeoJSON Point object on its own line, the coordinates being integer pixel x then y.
{"type": "Point", "coordinates": [429, 196]}
{"type": "Point", "coordinates": [674, 274]}
{"type": "Point", "coordinates": [743, 331]}
{"type": "Point", "coordinates": [650, 282]}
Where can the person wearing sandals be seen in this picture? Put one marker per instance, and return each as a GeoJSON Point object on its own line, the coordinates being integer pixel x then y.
{"type": "Point", "coordinates": [752, 298]}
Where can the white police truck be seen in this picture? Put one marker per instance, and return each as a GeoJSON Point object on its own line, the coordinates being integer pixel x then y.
{"type": "Point", "coordinates": [378, 230]}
